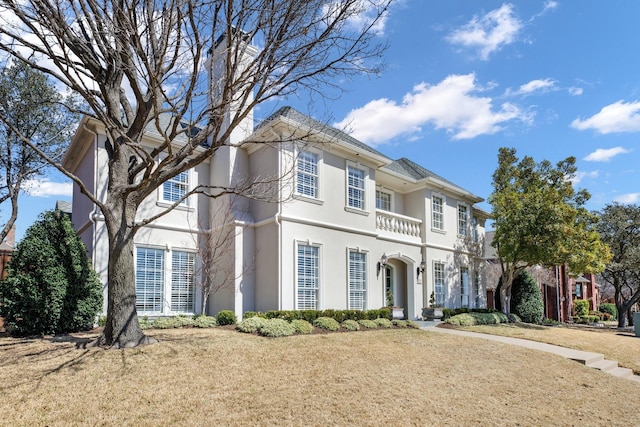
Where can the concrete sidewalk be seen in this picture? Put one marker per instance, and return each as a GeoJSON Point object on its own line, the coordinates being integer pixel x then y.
{"type": "Point", "coordinates": [592, 360]}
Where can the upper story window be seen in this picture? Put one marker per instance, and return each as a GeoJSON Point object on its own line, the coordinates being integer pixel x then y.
{"type": "Point", "coordinates": [437, 213]}
{"type": "Point", "coordinates": [474, 226]}
{"type": "Point", "coordinates": [383, 200]}
{"type": "Point", "coordinates": [307, 178]}
{"type": "Point", "coordinates": [463, 220]}
{"type": "Point", "coordinates": [176, 188]}
{"type": "Point", "coordinates": [356, 187]}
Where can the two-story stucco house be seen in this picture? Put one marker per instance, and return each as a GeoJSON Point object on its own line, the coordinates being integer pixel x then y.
{"type": "Point", "coordinates": [346, 228]}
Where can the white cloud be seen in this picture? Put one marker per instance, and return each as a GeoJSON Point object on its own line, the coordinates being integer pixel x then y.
{"type": "Point", "coordinates": [617, 117]}
{"type": "Point", "coordinates": [580, 175]}
{"type": "Point", "coordinates": [451, 105]}
{"type": "Point", "coordinates": [46, 188]}
{"type": "Point", "coordinates": [575, 91]}
{"type": "Point", "coordinates": [538, 85]}
{"type": "Point", "coordinates": [605, 154]}
{"type": "Point", "coordinates": [490, 32]}
{"type": "Point", "coordinates": [628, 198]}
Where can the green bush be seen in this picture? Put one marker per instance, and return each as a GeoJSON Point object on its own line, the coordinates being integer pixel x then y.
{"type": "Point", "coordinates": [526, 298]}
{"type": "Point", "coordinates": [385, 313]}
{"type": "Point", "coordinates": [51, 287]}
{"type": "Point", "coordinates": [301, 326]}
{"type": "Point", "coordinates": [447, 313]}
{"type": "Point", "coordinates": [470, 319]}
{"type": "Point", "coordinates": [368, 323]}
{"type": "Point", "coordinates": [248, 314]}
{"type": "Point", "coordinates": [275, 328]}
{"type": "Point", "coordinates": [251, 325]}
{"type": "Point", "coordinates": [383, 322]}
{"type": "Point", "coordinates": [145, 323]}
{"type": "Point", "coordinates": [351, 325]}
{"type": "Point", "coordinates": [412, 324]}
{"type": "Point", "coordinates": [609, 308]}
{"type": "Point", "coordinates": [327, 323]}
{"type": "Point", "coordinates": [165, 323]}
{"type": "Point", "coordinates": [226, 317]}
{"type": "Point", "coordinates": [203, 321]}
{"type": "Point", "coordinates": [372, 314]}
{"type": "Point", "coordinates": [581, 306]}
{"type": "Point", "coordinates": [399, 323]}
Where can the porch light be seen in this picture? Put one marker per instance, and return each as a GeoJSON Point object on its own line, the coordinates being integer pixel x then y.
{"type": "Point", "coordinates": [421, 269]}
{"type": "Point", "coordinates": [381, 264]}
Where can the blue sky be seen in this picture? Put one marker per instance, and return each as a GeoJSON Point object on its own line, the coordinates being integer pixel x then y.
{"type": "Point", "coordinates": [463, 78]}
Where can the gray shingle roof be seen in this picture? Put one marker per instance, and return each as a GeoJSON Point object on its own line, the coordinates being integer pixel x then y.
{"type": "Point", "coordinates": [293, 114]}
{"type": "Point", "coordinates": [401, 166]}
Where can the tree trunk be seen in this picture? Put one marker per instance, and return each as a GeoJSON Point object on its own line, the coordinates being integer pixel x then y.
{"type": "Point", "coordinates": [506, 281]}
{"type": "Point", "coordinates": [122, 328]}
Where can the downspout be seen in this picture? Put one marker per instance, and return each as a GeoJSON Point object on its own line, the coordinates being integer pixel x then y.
{"type": "Point", "coordinates": [558, 308]}
{"type": "Point", "coordinates": [94, 213]}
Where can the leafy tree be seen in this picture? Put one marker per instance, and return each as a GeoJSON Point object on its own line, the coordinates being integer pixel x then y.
{"type": "Point", "coordinates": [51, 287]}
{"type": "Point", "coordinates": [540, 219]}
{"type": "Point", "coordinates": [527, 298]}
{"type": "Point", "coordinates": [135, 62]}
{"type": "Point", "coordinates": [619, 227]}
{"type": "Point", "coordinates": [33, 108]}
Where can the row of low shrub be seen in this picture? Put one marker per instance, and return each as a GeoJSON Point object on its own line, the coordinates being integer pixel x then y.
{"type": "Point", "coordinates": [278, 327]}
{"type": "Point", "coordinates": [311, 315]}
{"type": "Point", "coordinates": [180, 321]}
{"type": "Point", "coordinates": [584, 320]}
{"type": "Point", "coordinates": [450, 312]}
{"type": "Point", "coordinates": [481, 318]}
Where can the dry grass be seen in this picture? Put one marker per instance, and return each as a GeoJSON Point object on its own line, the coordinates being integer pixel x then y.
{"type": "Point", "coordinates": [622, 346]}
{"type": "Point", "coordinates": [221, 377]}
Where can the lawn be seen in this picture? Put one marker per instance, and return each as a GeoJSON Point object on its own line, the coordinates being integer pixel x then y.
{"type": "Point", "coordinates": [222, 377]}
{"type": "Point", "coordinates": [622, 346]}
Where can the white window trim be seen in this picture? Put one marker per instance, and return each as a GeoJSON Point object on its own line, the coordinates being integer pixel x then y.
{"type": "Point", "coordinates": [443, 198]}
{"type": "Point", "coordinates": [444, 280]}
{"type": "Point", "coordinates": [167, 252]}
{"type": "Point", "coordinates": [298, 243]}
{"type": "Point", "coordinates": [366, 196]}
{"type": "Point", "coordinates": [164, 276]}
{"type": "Point", "coordinates": [319, 200]}
{"type": "Point", "coordinates": [468, 227]}
{"type": "Point", "coordinates": [169, 279]}
{"type": "Point", "coordinates": [366, 278]}
{"type": "Point", "coordinates": [392, 207]}
{"type": "Point", "coordinates": [469, 286]}
{"type": "Point", "coordinates": [187, 205]}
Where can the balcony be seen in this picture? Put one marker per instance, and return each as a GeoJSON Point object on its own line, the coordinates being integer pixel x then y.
{"type": "Point", "coordinates": [398, 227]}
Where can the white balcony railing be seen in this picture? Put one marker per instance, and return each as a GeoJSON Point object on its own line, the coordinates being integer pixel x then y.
{"type": "Point", "coordinates": [398, 224]}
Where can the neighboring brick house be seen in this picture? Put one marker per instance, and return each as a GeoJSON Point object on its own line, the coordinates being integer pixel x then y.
{"type": "Point", "coordinates": [558, 288]}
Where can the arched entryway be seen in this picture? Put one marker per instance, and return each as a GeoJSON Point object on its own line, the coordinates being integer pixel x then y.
{"type": "Point", "coordinates": [396, 289]}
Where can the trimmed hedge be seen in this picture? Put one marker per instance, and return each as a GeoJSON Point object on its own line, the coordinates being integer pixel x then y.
{"type": "Point", "coordinates": [251, 325]}
{"type": "Point", "coordinates": [350, 325]}
{"type": "Point", "coordinates": [367, 323]}
{"type": "Point", "coordinates": [471, 319]}
{"type": "Point", "coordinates": [276, 328]}
{"type": "Point", "coordinates": [327, 323]}
{"type": "Point", "coordinates": [526, 298]}
{"type": "Point", "coordinates": [301, 326]}
{"type": "Point", "coordinates": [581, 306]}
{"type": "Point", "coordinates": [311, 315]}
{"type": "Point", "coordinates": [226, 317]}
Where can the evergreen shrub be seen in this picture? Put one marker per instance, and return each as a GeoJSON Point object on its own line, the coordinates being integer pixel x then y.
{"type": "Point", "coordinates": [526, 298]}
{"type": "Point", "coordinates": [326, 323]}
{"type": "Point", "coordinates": [609, 308]}
{"type": "Point", "coordinates": [368, 323]}
{"type": "Point", "coordinates": [251, 325]}
{"type": "Point", "coordinates": [226, 317]}
{"type": "Point", "coordinates": [301, 326]}
{"type": "Point", "coordinates": [51, 287]}
{"type": "Point", "coordinates": [275, 328]}
{"type": "Point", "coordinates": [581, 306]}
{"type": "Point", "coordinates": [350, 325]}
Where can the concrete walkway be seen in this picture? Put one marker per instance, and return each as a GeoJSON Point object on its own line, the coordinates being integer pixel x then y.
{"type": "Point", "coordinates": [591, 360]}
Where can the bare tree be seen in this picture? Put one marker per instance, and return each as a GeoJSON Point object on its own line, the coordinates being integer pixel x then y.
{"type": "Point", "coordinates": [133, 62]}
{"type": "Point", "coordinates": [30, 104]}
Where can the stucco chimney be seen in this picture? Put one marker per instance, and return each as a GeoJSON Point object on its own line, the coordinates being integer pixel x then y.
{"type": "Point", "coordinates": [10, 240]}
